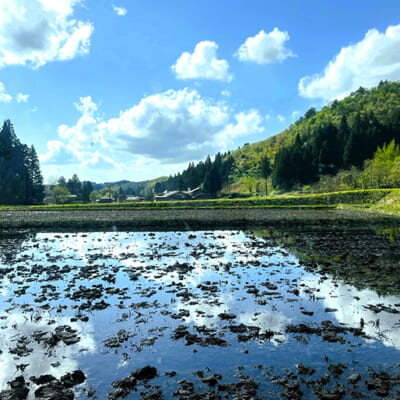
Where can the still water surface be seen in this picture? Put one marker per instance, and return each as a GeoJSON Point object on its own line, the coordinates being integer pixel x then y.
{"type": "Point", "coordinates": [222, 302]}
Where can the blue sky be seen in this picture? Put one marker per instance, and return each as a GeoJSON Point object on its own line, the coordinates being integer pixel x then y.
{"type": "Point", "coordinates": [129, 89]}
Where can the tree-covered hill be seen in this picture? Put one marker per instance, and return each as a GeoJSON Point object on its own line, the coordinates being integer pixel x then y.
{"type": "Point", "coordinates": [21, 181]}
{"type": "Point", "coordinates": [341, 135]}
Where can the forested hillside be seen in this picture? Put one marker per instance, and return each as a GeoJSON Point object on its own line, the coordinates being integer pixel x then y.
{"type": "Point", "coordinates": [21, 181]}
{"type": "Point", "coordinates": [342, 135]}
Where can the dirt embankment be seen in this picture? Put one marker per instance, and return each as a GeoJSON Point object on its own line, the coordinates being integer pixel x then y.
{"type": "Point", "coordinates": [184, 219]}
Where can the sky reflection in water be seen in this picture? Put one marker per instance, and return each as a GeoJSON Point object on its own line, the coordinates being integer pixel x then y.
{"type": "Point", "coordinates": [226, 272]}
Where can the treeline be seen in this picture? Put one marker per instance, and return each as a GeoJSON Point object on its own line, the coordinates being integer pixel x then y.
{"type": "Point", "coordinates": [63, 189]}
{"type": "Point", "coordinates": [21, 180]}
{"type": "Point", "coordinates": [329, 148]}
{"type": "Point", "coordinates": [343, 135]}
{"type": "Point", "coordinates": [212, 175]}
{"type": "Point", "coordinates": [382, 171]}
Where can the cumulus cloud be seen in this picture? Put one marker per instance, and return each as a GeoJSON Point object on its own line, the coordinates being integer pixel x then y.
{"type": "Point", "coordinates": [202, 64]}
{"type": "Point", "coordinates": [58, 153]}
{"type": "Point", "coordinates": [376, 57]}
{"type": "Point", "coordinates": [4, 96]}
{"type": "Point", "coordinates": [121, 11]}
{"type": "Point", "coordinates": [265, 48]}
{"type": "Point", "coordinates": [35, 32]}
{"type": "Point", "coordinates": [172, 128]}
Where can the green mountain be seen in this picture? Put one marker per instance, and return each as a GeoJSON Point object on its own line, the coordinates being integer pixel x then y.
{"type": "Point", "coordinates": [342, 135]}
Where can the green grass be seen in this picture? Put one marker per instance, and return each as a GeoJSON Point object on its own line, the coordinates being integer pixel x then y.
{"type": "Point", "coordinates": [378, 199]}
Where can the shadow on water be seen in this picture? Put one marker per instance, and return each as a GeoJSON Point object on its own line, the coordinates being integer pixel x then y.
{"type": "Point", "coordinates": [365, 258]}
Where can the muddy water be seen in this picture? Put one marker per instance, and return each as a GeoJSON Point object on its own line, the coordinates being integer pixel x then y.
{"type": "Point", "coordinates": [223, 314]}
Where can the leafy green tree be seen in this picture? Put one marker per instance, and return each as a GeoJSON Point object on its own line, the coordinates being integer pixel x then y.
{"type": "Point", "coordinates": [380, 172]}
{"type": "Point", "coordinates": [93, 196]}
{"type": "Point", "coordinates": [107, 191]}
{"type": "Point", "coordinates": [60, 194]}
{"type": "Point", "coordinates": [250, 184]}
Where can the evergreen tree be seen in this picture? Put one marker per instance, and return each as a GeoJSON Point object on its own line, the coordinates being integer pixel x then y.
{"type": "Point", "coordinates": [212, 180]}
{"type": "Point", "coordinates": [62, 182]}
{"type": "Point", "coordinates": [226, 168]}
{"type": "Point", "coordinates": [265, 171]}
{"type": "Point", "coordinates": [87, 188]}
{"type": "Point", "coordinates": [74, 185]}
{"type": "Point", "coordinates": [35, 184]}
{"type": "Point", "coordinates": [16, 159]}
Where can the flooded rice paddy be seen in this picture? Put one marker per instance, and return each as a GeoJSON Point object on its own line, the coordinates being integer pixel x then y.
{"type": "Point", "coordinates": [200, 315]}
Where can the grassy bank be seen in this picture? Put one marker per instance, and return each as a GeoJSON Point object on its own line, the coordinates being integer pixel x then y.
{"type": "Point", "coordinates": [366, 198]}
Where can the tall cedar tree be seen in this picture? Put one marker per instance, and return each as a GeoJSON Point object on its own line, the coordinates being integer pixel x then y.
{"type": "Point", "coordinates": [21, 181]}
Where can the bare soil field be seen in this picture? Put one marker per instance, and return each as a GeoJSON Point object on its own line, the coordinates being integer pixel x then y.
{"type": "Point", "coordinates": [116, 219]}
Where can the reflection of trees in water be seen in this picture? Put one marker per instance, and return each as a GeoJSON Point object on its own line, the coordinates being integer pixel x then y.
{"type": "Point", "coordinates": [365, 258]}
{"type": "Point", "coordinates": [11, 244]}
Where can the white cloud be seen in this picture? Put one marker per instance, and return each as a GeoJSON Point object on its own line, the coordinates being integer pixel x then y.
{"type": "Point", "coordinates": [246, 123]}
{"type": "Point", "coordinates": [4, 96]}
{"type": "Point", "coordinates": [58, 153]}
{"type": "Point", "coordinates": [83, 135]}
{"type": "Point", "coordinates": [376, 57]}
{"type": "Point", "coordinates": [98, 161]}
{"type": "Point", "coordinates": [226, 93]}
{"type": "Point", "coordinates": [121, 11]}
{"type": "Point", "coordinates": [35, 32]}
{"type": "Point", "coordinates": [22, 98]}
{"type": "Point", "coordinates": [172, 128]}
{"type": "Point", "coordinates": [202, 64]}
{"type": "Point", "coordinates": [265, 48]}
